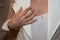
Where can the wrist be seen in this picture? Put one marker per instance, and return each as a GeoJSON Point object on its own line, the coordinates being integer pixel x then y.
{"type": "Point", "coordinates": [12, 26]}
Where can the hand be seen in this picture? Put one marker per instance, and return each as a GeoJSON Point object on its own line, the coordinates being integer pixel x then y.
{"type": "Point", "coordinates": [22, 17]}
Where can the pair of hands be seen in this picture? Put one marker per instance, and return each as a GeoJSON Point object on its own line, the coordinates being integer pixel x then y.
{"type": "Point", "coordinates": [22, 17]}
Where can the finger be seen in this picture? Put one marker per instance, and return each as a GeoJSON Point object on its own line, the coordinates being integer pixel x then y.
{"type": "Point", "coordinates": [11, 13]}
{"type": "Point", "coordinates": [30, 22]}
{"type": "Point", "coordinates": [26, 10]}
{"type": "Point", "coordinates": [19, 11]}
{"type": "Point", "coordinates": [30, 17]}
{"type": "Point", "coordinates": [12, 10]}
{"type": "Point", "coordinates": [29, 13]}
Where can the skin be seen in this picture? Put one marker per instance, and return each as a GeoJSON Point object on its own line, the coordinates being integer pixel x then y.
{"type": "Point", "coordinates": [22, 18]}
{"type": "Point", "coordinates": [40, 5]}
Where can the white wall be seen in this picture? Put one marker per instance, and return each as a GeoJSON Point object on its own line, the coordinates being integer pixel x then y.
{"type": "Point", "coordinates": [54, 16]}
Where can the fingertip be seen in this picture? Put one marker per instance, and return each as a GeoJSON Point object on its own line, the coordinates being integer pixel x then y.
{"type": "Point", "coordinates": [29, 8]}
{"type": "Point", "coordinates": [21, 7]}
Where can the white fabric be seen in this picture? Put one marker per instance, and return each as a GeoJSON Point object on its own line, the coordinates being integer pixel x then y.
{"type": "Point", "coordinates": [25, 33]}
{"type": "Point", "coordinates": [5, 27]}
{"type": "Point", "coordinates": [40, 28]}
{"type": "Point", "coordinates": [54, 17]}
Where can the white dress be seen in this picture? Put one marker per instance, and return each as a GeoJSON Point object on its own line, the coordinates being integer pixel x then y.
{"type": "Point", "coordinates": [39, 30]}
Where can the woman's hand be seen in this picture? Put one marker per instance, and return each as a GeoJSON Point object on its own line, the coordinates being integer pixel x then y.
{"type": "Point", "coordinates": [22, 17]}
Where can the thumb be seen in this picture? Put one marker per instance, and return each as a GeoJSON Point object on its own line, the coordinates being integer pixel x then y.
{"type": "Point", "coordinates": [11, 12]}
{"type": "Point", "coordinates": [19, 10]}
